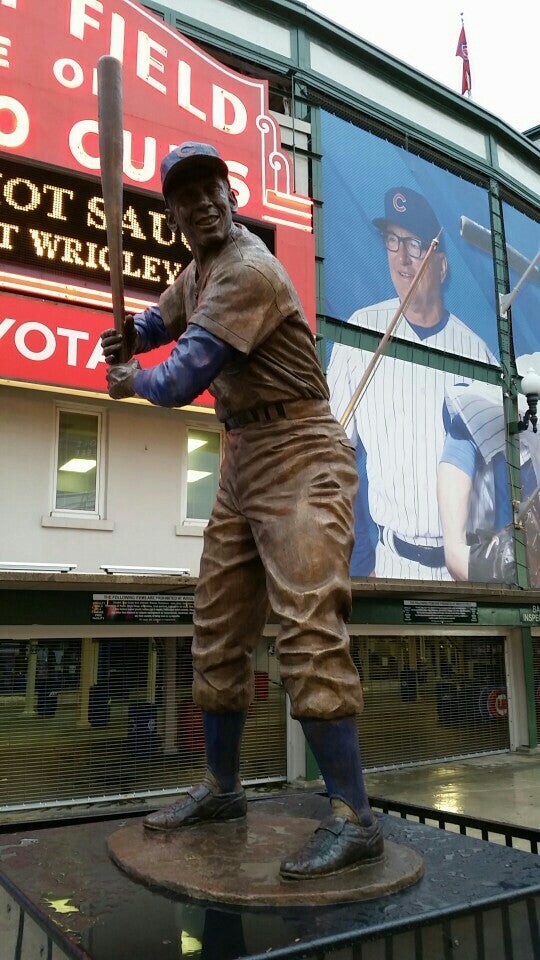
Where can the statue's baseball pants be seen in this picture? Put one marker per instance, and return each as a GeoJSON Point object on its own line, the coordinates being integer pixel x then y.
{"type": "Point", "coordinates": [281, 536]}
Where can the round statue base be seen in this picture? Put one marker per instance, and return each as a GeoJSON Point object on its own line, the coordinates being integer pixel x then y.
{"type": "Point", "coordinates": [238, 863]}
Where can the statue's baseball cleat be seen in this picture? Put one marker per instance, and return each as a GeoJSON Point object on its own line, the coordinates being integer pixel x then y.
{"type": "Point", "coordinates": [337, 844]}
{"type": "Point", "coordinates": [199, 804]}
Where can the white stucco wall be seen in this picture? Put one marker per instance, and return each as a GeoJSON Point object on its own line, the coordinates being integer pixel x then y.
{"type": "Point", "coordinates": [144, 474]}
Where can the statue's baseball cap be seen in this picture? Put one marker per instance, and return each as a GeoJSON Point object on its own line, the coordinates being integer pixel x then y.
{"type": "Point", "coordinates": [185, 158]}
{"type": "Point", "coordinates": [404, 207]}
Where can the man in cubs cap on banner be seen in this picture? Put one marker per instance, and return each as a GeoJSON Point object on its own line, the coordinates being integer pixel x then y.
{"type": "Point", "coordinates": [398, 426]}
{"type": "Point", "coordinates": [281, 530]}
{"type": "Point", "coordinates": [407, 209]}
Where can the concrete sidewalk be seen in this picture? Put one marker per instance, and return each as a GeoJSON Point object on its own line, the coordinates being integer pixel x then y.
{"type": "Point", "coordinates": [503, 787]}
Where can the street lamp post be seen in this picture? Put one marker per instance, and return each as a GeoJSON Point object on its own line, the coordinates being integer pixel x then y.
{"type": "Point", "coordinates": [530, 386]}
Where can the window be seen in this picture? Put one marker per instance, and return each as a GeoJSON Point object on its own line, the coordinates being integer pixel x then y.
{"type": "Point", "coordinates": [77, 468]}
{"type": "Point", "coordinates": [203, 456]}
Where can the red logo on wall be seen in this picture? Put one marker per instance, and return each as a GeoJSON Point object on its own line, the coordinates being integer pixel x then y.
{"type": "Point", "coordinates": [497, 703]}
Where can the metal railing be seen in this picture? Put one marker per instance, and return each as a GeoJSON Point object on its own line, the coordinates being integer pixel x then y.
{"type": "Point", "coordinates": [490, 830]}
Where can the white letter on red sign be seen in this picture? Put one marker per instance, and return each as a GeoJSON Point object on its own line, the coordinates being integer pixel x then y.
{"type": "Point", "coordinates": [95, 357]}
{"type": "Point", "coordinates": [239, 121]}
{"type": "Point", "coordinates": [77, 75]}
{"type": "Point", "coordinates": [78, 16]}
{"type": "Point", "coordinates": [139, 173]}
{"type": "Point", "coordinates": [5, 44]}
{"type": "Point", "coordinates": [76, 134]}
{"type": "Point", "coordinates": [145, 60]}
{"type": "Point", "coordinates": [118, 30]}
{"type": "Point", "coordinates": [72, 337]}
{"type": "Point", "coordinates": [48, 336]}
{"type": "Point", "coordinates": [184, 91]}
{"type": "Point", "coordinates": [22, 123]}
{"type": "Point", "coordinates": [7, 324]}
{"type": "Point", "coordinates": [238, 183]}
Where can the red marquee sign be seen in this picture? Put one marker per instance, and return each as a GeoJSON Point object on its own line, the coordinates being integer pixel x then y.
{"type": "Point", "coordinates": [58, 344]}
{"type": "Point", "coordinates": [173, 91]}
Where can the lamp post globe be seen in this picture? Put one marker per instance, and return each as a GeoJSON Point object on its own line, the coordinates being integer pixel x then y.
{"type": "Point", "coordinates": [530, 383]}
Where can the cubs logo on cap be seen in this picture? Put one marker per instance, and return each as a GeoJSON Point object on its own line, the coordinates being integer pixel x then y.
{"type": "Point", "coordinates": [188, 155]}
{"type": "Point", "coordinates": [399, 202]}
{"type": "Point", "coordinates": [407, 208]}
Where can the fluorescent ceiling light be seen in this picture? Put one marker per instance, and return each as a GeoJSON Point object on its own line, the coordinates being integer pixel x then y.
{"type": "Point", "coordinates": [194, 444]}
{"type": "Point", "coordinates": [194, 475]}
{"type": "Point", "coordinates": [146, 571]}
{"type": "Point", "coordinates": [32, 567]}
{"type": "Point", "coordinates": [78, 465]}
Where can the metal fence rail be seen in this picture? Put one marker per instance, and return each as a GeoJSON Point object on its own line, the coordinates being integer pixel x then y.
{"type": "Point", "coordinates": [490, 830]}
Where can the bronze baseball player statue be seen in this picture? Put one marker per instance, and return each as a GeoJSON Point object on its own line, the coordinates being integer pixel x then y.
{"type": "Point", "coordinates": [281, 530]}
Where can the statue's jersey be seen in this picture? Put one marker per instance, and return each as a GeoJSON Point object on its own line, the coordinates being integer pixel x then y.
{"type": "Point", "coordinates": [245, 298]}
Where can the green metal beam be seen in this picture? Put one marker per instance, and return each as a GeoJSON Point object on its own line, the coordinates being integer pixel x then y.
{"type": "Point", "coordinates": [300, 48]}
{"type": "Point", "coordinates": [530, 685]}
{"type": "Point", "coordinates": [510, 379]}
{"type": "Point", "coordinates": [317, 196]}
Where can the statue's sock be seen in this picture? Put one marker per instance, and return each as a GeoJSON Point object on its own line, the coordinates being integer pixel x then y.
{"type": "Point", "coordinates": [335, 746]}
{"type": "Point", "coordinates": [222, 736]}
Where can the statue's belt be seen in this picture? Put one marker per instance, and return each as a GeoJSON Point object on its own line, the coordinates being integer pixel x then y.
{"type": "Point", "coordinates": [281, 410]}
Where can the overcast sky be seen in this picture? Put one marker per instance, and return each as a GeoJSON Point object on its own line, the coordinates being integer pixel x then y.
{"type": "Point", "coordinates": [503, 42]}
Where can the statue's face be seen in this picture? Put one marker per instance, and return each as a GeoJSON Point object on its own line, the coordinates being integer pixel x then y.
{"type": "Point", "coordinates": [202, 207]}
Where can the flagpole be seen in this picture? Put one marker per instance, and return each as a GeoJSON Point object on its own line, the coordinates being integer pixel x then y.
{"type": "Point", "coordinates": [462, 51]}
{"type": "Point", "coordinates": [469, 86]}
{"type": "Point", "coordinates": [468, 93]}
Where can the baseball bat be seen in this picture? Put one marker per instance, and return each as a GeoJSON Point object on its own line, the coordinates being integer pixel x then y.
{"type": "Point", "coordinates": [111, 155]}
{"type": "Point", "coordinates": [370, 369]}
{"type": "Point", "coordinates": [480, 237]}
{"type": "Point", "coordinates": [525, 506]}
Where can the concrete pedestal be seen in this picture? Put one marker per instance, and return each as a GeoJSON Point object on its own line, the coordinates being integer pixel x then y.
{"type": "Point", "coordinates": [476, 900]}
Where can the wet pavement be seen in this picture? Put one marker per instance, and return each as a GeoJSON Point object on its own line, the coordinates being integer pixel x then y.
{"type": "Point", "coordinates": [503, 787]}
{"type": "Point", "coordinates": [70, 883]}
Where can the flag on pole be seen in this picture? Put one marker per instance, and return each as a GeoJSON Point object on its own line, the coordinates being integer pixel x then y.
{"type": "Point", "coordinates": [466, 84]}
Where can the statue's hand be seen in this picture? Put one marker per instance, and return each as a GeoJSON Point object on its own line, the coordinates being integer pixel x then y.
{"type": "Point", "coordinates": [121, 379]}
{"type": "Point", "coordinates": [115, 345]}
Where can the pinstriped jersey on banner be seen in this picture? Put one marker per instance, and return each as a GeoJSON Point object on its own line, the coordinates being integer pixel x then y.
{"type": "Point", "coordinates": [401, 423]}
